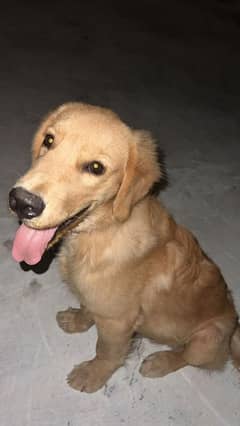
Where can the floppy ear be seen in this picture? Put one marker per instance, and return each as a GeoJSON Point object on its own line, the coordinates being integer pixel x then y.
{"type": "Point", "coordinates": [141, 171]}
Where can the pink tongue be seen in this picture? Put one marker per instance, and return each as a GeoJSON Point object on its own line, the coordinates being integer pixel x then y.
{"type": "Point", "coordinates": [30, 244]}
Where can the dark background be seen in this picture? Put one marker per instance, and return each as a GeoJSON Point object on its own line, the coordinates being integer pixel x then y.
{"type": "Point", "coordinates": [172, 68]}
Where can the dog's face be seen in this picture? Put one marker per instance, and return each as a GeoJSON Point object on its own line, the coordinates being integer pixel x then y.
{"type": "Point", "coordinates": [78, 161]}
{"type": "Point", "coordinates": [83, 157]}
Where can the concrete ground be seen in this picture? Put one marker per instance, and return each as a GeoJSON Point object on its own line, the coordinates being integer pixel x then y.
{"type": "Point", "coordinates": [173, 69]}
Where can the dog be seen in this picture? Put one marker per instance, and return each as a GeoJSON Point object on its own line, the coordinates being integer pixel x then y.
{"type": "Point", "coordinates": [133, 268]}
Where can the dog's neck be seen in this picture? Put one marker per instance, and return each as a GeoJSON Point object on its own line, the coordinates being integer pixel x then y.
{"type": "Point", "coordinates": [101, 240]}
{"type": "Point", "coordinates": [102, 217]}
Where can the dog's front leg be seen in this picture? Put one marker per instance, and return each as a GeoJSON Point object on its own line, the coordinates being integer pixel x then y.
{"type": "Point", "coordinates": [114, 337]}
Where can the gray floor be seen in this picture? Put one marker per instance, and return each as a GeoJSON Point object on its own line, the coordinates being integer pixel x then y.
{"type": "Point", "coordinates": [174, 71]}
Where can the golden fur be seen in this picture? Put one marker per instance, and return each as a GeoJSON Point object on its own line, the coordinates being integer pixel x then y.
{"type": "Point", "coordinates": [133, 268]}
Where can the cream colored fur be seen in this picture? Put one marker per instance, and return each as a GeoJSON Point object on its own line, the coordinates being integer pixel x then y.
{"type": "Point", "coordinates": [132, 267]}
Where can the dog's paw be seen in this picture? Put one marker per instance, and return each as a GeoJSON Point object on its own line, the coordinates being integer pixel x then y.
{"type": "Point", "coordinates": [73, 321]}
{"type": "Point", "coordinates": [88, 376]}
{"type": "Point", "coordinates": [156, 365]}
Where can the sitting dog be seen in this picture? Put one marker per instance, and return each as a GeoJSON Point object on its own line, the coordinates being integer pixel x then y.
{"type": "Point", "coordinates": [133, 268]}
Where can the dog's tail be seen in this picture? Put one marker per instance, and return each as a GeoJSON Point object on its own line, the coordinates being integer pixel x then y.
{"type": "Point", "coordinates": [235, 347]}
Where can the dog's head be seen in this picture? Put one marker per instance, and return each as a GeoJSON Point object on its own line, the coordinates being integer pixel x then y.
{"type": "Point", "coordinates": [83, 157]}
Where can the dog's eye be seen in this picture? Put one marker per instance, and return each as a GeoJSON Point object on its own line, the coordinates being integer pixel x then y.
{"type": "Point", "coordinates": [48, 140]}
{"type": "Point", "coordinates": [95, 168]}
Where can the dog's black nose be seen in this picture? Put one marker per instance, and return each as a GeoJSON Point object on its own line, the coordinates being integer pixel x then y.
{"type": "Point", "coordinates": [25, 204]}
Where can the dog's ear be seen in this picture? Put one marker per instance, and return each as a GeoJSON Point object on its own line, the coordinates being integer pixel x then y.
{"type": "Point", "coordinates": [141, 171]}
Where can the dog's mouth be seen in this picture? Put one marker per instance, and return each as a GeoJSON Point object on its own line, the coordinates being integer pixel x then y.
{"type": "Point", "coordinates": [68, 225]}
{"type": "Point", "coordinates": [30, 244]}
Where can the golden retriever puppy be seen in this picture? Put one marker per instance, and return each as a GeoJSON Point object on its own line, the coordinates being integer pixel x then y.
{"type": "Point", "coordinates": [133, 268]}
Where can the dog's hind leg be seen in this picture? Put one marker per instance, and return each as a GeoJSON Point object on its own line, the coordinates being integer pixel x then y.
{"type": "Point", "coordinates": [161, 363]}
{"type": "Point", "coordinates": [74, 320]}
{"type": "Point", "coordinates": [208, 348]}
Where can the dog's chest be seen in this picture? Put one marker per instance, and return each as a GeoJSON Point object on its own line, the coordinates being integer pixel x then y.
{"type": "Point", "coordinates": [93, 274]}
